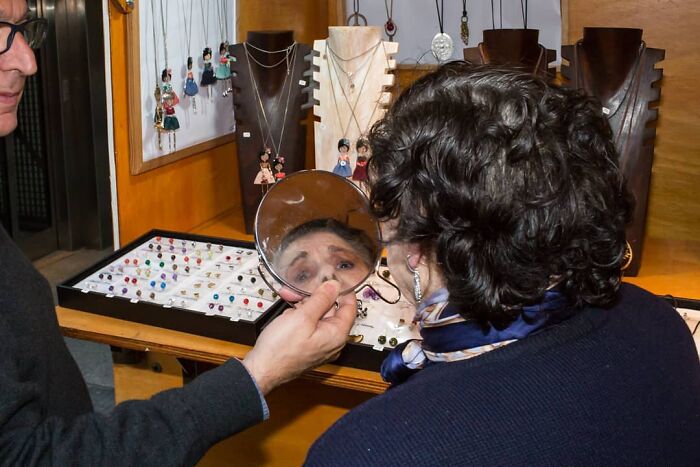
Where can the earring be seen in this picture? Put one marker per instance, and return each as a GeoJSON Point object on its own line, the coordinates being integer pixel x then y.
{"type": "Point", "coordinates": [417, 292]}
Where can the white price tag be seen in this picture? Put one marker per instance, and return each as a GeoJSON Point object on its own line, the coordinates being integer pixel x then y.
{"type": "Point", "coordinates": [85, 291]}
{"type": "Point", "coordinates": [302, 82]}
{"type": "Point", "coordinates": [109, 295]}
{"type": "Point", "coordinates": [246, 134]}
{"type": "Point", "coordinates": [134, 300]}
{"type": "Point", "coordinates": [378, 347]}
{"type": "Point", "coordinates": [167, 306]}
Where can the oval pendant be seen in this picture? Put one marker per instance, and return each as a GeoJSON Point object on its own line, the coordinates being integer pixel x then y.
{"type": "Point", "coordinates": [442, 46]}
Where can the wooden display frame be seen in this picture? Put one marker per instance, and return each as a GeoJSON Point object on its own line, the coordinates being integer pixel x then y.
{"type": "Point", "coordinates": [133, 69]}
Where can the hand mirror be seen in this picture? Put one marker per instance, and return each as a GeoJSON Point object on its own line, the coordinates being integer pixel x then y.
{"type": "Point", "coordinates": [314, 226]}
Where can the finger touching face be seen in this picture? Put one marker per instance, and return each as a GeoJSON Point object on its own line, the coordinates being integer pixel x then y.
{"type": "Point", "coordinates": [15, 64]}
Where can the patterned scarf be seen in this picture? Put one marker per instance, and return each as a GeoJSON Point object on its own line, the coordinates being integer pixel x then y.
{"type": "Point", "coordinates": [448, 337]}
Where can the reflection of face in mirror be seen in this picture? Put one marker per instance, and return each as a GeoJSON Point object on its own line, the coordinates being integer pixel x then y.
{"type": "Point", "coordinates": [325, 249]}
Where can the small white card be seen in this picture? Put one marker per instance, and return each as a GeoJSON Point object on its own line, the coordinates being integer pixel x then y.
{"type": "Point", "coordinates": [246, 134]}
{"type": "Point", "coordinates": [302, 82]}
{"type": "Point", "coordinates": [378, 347]}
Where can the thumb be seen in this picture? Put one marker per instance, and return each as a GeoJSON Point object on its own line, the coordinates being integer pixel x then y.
{"type": "Point", "coordinates": [323, 298]}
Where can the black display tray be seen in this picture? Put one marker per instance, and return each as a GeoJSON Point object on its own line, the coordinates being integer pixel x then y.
{"type": "Point", "coordinates": [178, 319]}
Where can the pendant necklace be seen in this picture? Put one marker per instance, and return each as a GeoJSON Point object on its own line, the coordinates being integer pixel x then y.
{"type": "Point", "coordinates": [191, 89]}
{"type": "Point", "coordinates": [208, 78]}
{"type": "Point", "coordinates": [168, 96]}
{"type": "Point", "coordinates": [350, 75]}
{"type": "Point", "coordinates": [352, 106]}
{"type": "Point", "coordinates": [442, 45]}
{"type": "Point", "coordinates": [464, 25]}
{"type": "Point", "coordinates": [264, 176]}
{"type": "Point", "coordinates": [523, 9]}
{"type": "Point", "coordinates": [223, 70]}
{"type": "Point", "coordinates": [158, 115]}
{"type": "Point", "coordinates": [266, 136]}
{"type": "Point", "coordinates": [390, 27]}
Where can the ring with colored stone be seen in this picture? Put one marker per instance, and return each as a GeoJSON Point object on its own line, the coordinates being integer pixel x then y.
{"type": "Point", "coordinates": [393, 342]}
{"type": "Point", "coordinates": [381, 340]}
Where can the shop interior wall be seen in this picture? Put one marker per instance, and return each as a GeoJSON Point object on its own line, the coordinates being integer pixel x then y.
{"type": "Point", "coordinates": [674, 205]}
{"type": "Point", "coordinates": [192, 191]}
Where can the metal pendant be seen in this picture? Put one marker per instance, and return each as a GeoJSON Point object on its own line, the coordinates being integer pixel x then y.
{"type": "Point", "coordinates": [464, 30]}
{"type": "Point", "coordinates": [442, 46]}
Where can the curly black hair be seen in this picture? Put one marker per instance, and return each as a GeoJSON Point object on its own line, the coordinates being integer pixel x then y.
{"type": "Point", "coordinates": [511, 183]}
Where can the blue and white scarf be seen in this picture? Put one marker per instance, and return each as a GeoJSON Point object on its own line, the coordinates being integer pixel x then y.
{"type": "Point", "coordinates": [449, 337]}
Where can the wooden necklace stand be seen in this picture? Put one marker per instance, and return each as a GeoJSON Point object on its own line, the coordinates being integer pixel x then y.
{"type": "Point", "coordinates": [514, 48]}
{"type": "Point", "coordinates": [614, 65]}
{"type": "Point", "coordinates": [372, 76]}
{"type": "Point", "coordinates": [270, 81]}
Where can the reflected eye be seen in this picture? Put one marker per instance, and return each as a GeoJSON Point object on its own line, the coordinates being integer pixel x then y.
{"type": "Point", "coordinates": [345, 265]}
{"type": "Point", "coordinates": [301, 277]}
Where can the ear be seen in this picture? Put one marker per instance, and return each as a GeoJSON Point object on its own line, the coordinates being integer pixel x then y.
{"type": "Point", "coordinates": [414, 253]}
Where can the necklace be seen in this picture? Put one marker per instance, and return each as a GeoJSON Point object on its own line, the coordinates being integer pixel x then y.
{"type": "Point", "coordinates": [352, 106]}
{"type": "Point", "coordinates": [266, 136]}
{"type": "Point", "coordinates": [523, 9]}
{"type": "Point", "coordinates": [158, 114]}
{"type": "Point", "coordinates": [632, 81]}
{"type": "Point", "coordinates": [464, 24]}
{"type": "Point", "coordinates": [168, 97]}
{"type": "Point", "coordinates": [350, 75]}
{"type": "Point", "coordinates": [390, 27]}
{"type": "Point", "coordinates": [442, 45]}
{"type": "Point", "coordinates": [287, 54]}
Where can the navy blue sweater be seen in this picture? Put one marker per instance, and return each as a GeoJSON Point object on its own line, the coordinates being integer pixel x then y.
{"type": "Point", "coordinates": [45, 413]}
{"type": "Point", "coordinates": [606, 387]}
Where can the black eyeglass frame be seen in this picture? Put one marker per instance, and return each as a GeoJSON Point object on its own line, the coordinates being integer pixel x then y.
{"type": "Point", "coordinates": [22, 27]}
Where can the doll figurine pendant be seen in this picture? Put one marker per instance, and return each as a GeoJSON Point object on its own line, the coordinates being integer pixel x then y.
{"type": "Point", "coordinates": [169, 100]}
{"type": "Point", "coordinates": [264, 177]}
{"type": "Point", "coordinates": [360, 172]}
{"type": "Point", "coordinates": [223, 70]}
{"type": "Point", "coordinates": [208, 78]}
{"type": "Point", "coordinates": [191, 88]}
{"type": "Point", "coordinates": [342, 167]}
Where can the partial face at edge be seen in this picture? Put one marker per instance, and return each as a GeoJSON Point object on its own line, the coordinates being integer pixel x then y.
{"type": "Point", "coordinates": [15, 65]}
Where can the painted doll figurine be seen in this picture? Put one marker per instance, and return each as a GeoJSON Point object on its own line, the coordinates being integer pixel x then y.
{"type": "Point", "coordinates": [223, 70]}
{"type": "Point", "coordinates": [170, 100]}
{"type": "Point", "coordinates": [264, 178]}
{"type": "Point", "coordinates": [342, 168]}
{"type": "Point", "coordinates": [191, 88]}
{"type": "Point", "coordinates": [360, 172]}
{"type": "Point", "coordinates": [208, 77]}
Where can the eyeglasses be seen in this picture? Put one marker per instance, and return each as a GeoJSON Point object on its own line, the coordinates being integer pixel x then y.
{"type": "Point", "coordinates": [33, 30]}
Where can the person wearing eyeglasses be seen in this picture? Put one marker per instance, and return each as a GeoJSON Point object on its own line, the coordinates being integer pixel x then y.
{"type": "Point", "coordinates": [46, 417]}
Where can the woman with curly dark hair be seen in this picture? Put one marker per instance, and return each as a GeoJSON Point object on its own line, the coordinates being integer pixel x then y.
{"type": "Point", "coordinates": [504, 213]}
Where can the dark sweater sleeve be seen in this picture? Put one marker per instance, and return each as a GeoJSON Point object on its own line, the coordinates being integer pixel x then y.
{"type": "Point", "coordinates": [175, 427]}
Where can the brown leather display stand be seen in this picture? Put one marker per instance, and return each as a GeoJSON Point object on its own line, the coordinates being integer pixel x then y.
{"type": "Point", "coordinates": [515, 48]}
{"type": "Point", "coordinates": [614, 65]}
{"type": "Point", "coordinates": [269, 80]}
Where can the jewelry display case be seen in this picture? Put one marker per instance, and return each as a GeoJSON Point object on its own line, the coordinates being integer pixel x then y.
{"type": "Point", "coordinates": [211, 287]}
{"type": "Point", "coordinates": [191, 283]}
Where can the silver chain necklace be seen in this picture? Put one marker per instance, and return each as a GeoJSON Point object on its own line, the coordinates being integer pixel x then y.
{"type": "Point", "coordinates": [267, 136]}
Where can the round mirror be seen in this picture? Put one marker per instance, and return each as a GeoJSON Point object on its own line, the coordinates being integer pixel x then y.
{"type": "Point", "coordinates": [314, 226]}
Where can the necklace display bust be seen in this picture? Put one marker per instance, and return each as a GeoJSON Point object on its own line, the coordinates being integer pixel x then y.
{"type": "Point", "coordinates": [269, 81]}
{"type": "Point", "coordinates": [616, 66]}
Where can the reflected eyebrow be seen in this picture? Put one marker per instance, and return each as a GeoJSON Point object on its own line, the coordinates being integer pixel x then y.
{"type": "Point", "coordinates": [336, 249]}
{"type": "Point", "coordinates": [300, 255]}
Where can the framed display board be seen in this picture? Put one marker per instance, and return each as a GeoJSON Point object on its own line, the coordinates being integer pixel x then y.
{"type": "Point", "coordinates": [185, 28]}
